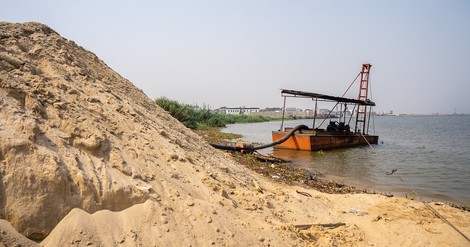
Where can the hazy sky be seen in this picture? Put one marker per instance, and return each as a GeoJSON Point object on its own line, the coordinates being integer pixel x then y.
{"type": "Point", "coordinates": [240, 53]}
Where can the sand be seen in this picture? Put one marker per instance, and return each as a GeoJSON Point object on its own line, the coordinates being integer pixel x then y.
{"type": "Point", "coordinates": [87, 159]}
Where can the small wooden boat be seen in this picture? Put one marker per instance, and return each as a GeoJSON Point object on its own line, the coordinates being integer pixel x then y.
{"type": "Point", "coordinates": [338, 134]}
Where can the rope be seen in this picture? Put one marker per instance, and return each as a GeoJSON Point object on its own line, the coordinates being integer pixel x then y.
{"type": "Point", "coordinates": [367, 141]}
{"type": "Point", "coordinates": [445, 220]}
{"type": "Point", "coordinates": [433, 210]}
{"type": "Point", "coordinates": [328, 115]}
{"type": "Point", "coordinates": [390, 173]}
{"type": "Point", "coordinates": [351, 84]}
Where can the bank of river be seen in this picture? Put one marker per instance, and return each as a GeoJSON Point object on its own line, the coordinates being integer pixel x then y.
{"type": "Point", "coordinates": [430, 153]}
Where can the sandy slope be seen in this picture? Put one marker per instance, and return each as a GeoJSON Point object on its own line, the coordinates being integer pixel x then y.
{"type": "Point", "coordinates": [87, 159]}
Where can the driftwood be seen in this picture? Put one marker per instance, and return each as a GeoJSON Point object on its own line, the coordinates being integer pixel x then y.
{"type": "Point", "coordinates": [268, 158]}
{"type": "Point", "coordinates": [330, 225]}
{"type": "Point", "coordinates": [304, 193]}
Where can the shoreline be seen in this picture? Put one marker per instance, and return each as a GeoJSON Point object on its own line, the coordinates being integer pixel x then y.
{"type": "Point", "coordinates": [352, 185]}
{"type": "Point", "coordinates": [408, 193]}
{"type": "Point", "coordinates": [400, 183]}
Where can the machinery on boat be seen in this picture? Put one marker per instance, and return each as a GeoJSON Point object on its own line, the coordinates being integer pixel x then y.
{"type": "Point", "coordinates": [338, 134]}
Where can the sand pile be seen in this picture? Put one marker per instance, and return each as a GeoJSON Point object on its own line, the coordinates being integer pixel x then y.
{"type": "Point", "coordinates": [88, 159]}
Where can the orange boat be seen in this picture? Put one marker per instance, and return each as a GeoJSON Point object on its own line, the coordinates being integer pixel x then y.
{"type": "Point", "coordinates": [338, 134]}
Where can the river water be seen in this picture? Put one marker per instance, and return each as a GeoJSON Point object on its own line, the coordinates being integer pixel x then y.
{"type": "Point", "coordinates": [431, 155]}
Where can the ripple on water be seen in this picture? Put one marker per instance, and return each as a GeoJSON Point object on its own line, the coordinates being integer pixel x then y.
{"type": "Point", "coordinates": [431, 155]}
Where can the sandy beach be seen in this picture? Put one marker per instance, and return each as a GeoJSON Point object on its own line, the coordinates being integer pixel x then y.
{"type": "Point", "coordinates": [87, 159]}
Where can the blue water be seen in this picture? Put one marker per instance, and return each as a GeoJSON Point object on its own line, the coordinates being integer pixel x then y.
{"type": "Point", "coordinates": [431, 155]}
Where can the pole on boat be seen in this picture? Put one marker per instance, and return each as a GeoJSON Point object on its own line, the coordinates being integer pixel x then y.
{"type": "Point", "coordinates": [283, 113]}
{"type": "Point", "coordinates": [340, 112]}
{"type": "Point", "coordinates": [370, 107]}
{"type": "Point", "coordinates": [315, 113]}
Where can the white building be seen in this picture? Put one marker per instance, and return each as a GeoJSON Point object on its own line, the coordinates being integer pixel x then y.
{"type": "Point", "coordinates": [237, 110]}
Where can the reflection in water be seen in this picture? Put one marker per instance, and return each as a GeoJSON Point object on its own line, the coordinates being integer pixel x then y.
{"type": "Point", "coordinates": [301, 156]}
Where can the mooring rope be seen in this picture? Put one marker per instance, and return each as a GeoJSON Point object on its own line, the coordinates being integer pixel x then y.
{"type": "Point", "coordinates": [445, 220]}
{"type": "Point", "coordinates": [367, 141]}
{"type": "Point", "coordinates": [435, 212]}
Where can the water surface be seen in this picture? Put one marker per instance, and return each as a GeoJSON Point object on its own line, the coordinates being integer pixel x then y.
{"type": "Point", "coordinates": [431, 155]}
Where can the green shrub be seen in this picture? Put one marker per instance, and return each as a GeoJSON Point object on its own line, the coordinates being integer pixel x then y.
{"type": "Point", "coordinates": [195, 117]}
{"type": "Point", "coordinates": [182, 113]}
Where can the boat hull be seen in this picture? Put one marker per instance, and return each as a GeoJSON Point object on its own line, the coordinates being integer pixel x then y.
{"type": "Point", "coordinates": [322, 141]}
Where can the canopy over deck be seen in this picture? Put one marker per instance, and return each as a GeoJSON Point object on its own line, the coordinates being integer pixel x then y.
{"type": "Point", "coordinates": [294, 93]}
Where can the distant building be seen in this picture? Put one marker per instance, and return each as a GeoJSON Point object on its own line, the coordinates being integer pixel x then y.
{"type": "Point", "coordinates": [323, 112]}
{"type": "Point", "coordinates": [293, 109]}
{"type": "Point", "coordinates": [271, 109]}
{"type": "Point", "coordinates": [383, 113]}
{"type": "Point", "coordinates": [278, 112]}
{"type": "Point", "coordinates": [308, 113]}
{"type": "Point", "coordinates": [237, 110]}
